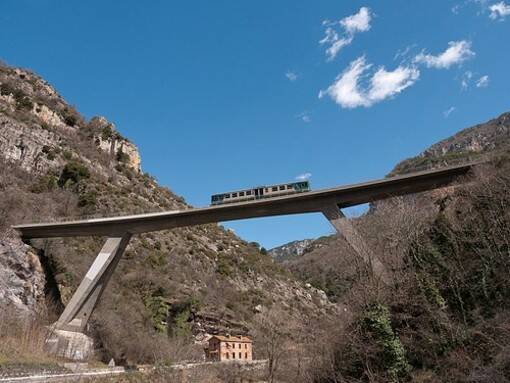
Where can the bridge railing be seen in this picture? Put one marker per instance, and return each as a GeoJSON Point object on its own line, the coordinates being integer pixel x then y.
{"type": "Point", "coordinates": [405, 167]}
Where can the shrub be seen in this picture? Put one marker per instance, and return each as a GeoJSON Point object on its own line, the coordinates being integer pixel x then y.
{"type": "Point", "coordinates": [107, 132]}
{"type": "Point", "coordinates": [22, 100]}
{"type": "Point", "coordinates": [70, 116]}
{"type": "Point", "coordinates": [6, 89]}
{"type": "Point", "coordinates": [377, 323]}
{"type": "Point", "coordinates": [87, 199]}
{"type": "Point", "coordinates": [121, 156]}
{"type": "Point", "coordinates": [45, 183]}
{"type": "Point", "coordinates": [73, 173]}
{"type": "Point", "coordinates": [224, 266]}
{"type": "Point", "coordinates": [67, 155]}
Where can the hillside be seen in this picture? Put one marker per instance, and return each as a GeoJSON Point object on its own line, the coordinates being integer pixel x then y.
{"type": "Point", "coordinates": [172, 287]}
{"type": "Point", "coordinates": [440, 312]}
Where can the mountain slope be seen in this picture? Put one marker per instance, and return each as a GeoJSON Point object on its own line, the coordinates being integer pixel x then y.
{"type": "Point", "coordinates": [185, 283]}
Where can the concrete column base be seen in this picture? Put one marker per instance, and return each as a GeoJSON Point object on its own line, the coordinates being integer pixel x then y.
{"type": "Point", "coordinates": [70, 345]}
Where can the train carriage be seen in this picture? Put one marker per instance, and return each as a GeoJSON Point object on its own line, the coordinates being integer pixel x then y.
{"type": "Point", "coordinates": [260, 192]}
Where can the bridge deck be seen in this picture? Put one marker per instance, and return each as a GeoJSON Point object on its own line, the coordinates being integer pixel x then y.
{"type": "Point", "coordinates": [309, 202]}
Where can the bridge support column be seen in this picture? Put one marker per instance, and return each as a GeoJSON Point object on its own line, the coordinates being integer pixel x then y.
{"type": "Point", "coordinates": [67, 338]}
{"type": "Point", "coordinates": [345, 228]}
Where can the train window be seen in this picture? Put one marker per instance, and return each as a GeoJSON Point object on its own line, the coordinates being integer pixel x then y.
{"type": "Point", "coordinates": [241, 194]}
{"type": "Point", "coordinates": [290, 186]}
{"type": "Point", "coordinates": [234, 195]}
{"type": "Point", "coordinates": [227, 195]}
{"type": "Point", "coordinates": [248, 192]}
{"type": "Point", "coordinates": [275, 188]}
{"type": "Point", "coordinates": [282, 187]}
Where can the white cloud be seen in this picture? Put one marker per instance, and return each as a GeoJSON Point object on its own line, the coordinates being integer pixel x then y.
{"type": "Point", "coordinates": [483, 82]}
{"type": "Point", "coordinates": [291, 76]}
{"type": "Point", "coordinates": [303, 177]}
{"type": "Point", "coordinates": [499, 10]}
{"type": "Point", "coordinates": [335, 47]}
{"type": "Point", "coordinates": [456, 53]}
{"type": "Point", "coordinates": [305, 117]}
{"type": "Point", "coordinates": [347, 91]}
{"type": "Point", "coordinates": [359, 22]}
{"type": "Point", "coordinates": [449, 111]}
{"type": "Point", "coordinates": [466, 79]}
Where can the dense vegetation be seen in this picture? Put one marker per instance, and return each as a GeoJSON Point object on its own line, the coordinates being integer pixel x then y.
{"type": "Point", "coordinates": [440, 312]}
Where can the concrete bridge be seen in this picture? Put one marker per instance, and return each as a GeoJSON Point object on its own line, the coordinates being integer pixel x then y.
{"type": "Point", "coordinates": [120, 229]}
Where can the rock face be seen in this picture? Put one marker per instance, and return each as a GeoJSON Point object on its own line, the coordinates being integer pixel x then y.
{"type": "Point", "coordinates": [22, 279]}
{"type": "Point", "coordinates": [290, 250]}
{"type": "Point", "coordinates": [109, 140]}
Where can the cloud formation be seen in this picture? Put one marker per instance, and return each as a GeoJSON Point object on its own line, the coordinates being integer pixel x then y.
{"type": "Point", "coordinates": [456, 53]}
{"type": "Point", "coordinates": [291, 76]}
{"type": "Point", "coordinates": [483, 82]}
{"type": "Point", "coordinates": [468, 80]}
{"type": "Point", "coordinates": [305, 117]}
{"type": "Point", "coordinates": [349, 92]}
{"type": "Point", "coordinates": [449, 111]}
{"type": "Point", "coordinates": [335, 41]}
{"type": "Point", "coordinates": [499, 10]}
{"type": "Point", "coordinates": [303, 177]}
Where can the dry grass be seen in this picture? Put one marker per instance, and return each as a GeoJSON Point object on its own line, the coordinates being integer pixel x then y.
{"type": "Point", "coordinates": [22, 339]}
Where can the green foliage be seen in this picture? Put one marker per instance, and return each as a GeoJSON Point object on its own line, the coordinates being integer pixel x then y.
{"type": "Point", "coordinates": [22, 100]}
{"type": "Point", "coordinates": [87, 199]}
{"type": "Point", "coordinates": [224, 265]}
{"type": "Point", "coordinates": [6, 89]}
{"type": "Point", "coordinates": [377, 323]}
{"type": "Point", "coordinates": [121, 156]}
{"type": "Point", "coordinates": [44, 184]}
{"type": "Point", "coordinates": [158, 308]}
{"type": "Point", "coordinates": [73, 173]}
{"type": "Point", "coordinates": [107, 132]}
{"type": "Point", "coordinates": [157, 259]}
{"type": "Point", "coordinates": [67, 155]}
{"type": "Point", "coordinates": [50, 153]}
{"type": "Point", "coordinates": [180, 316]}
{"type": "Point", "coordinates": [70, 116]}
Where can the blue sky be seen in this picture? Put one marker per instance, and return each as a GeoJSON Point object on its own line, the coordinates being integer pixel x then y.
{"type": "Point", "coordinates": [230, 94]}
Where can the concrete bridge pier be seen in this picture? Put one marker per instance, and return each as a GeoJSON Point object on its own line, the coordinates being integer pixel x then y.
{"type": "Point", "coordinates": [346, 229]}
{"type": "Point", "coordinates": [67, 337]}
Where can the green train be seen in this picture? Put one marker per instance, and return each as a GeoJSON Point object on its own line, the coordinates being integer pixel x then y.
{"type": "Point", "coordinates": [260, 192]}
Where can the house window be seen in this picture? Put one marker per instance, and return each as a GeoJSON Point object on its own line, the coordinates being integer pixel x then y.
{"type": "Point", "coordinates": [240, 356]}
{"type": "Point", "coordinates": [226, 354]}
{"type": "Point", "coordinates": [233, 355]}
{"type": "Point", "coordinates": [239, 345]}
{"type": "Point", "coordinates": [246, 355]}
{"type": "Point", "coordinates": [246, 345]}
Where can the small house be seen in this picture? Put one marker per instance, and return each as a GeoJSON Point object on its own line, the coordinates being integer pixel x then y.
{"type": "Point", "coordinates": [222, 348]}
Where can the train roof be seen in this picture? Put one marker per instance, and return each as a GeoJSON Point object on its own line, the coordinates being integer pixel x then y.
{"type": "Point", "coordinates": [260, 186]}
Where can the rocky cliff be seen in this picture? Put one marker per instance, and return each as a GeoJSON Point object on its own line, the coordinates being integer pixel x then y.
{"type": "Point", "coordinates": [186, 283]}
